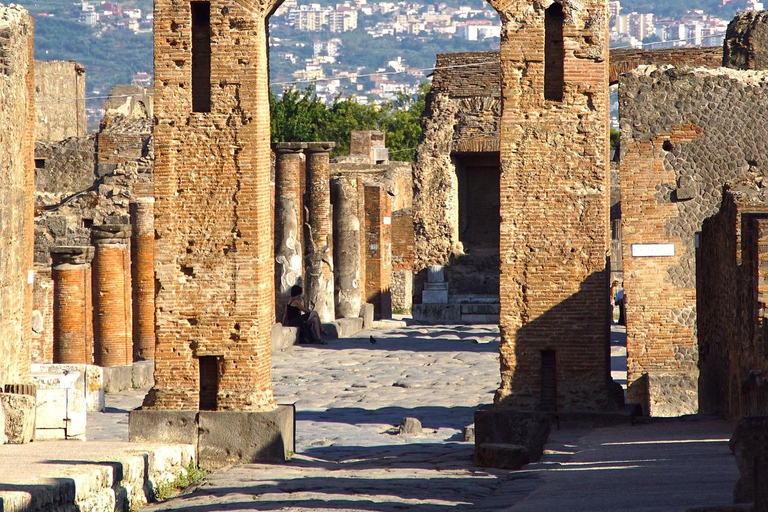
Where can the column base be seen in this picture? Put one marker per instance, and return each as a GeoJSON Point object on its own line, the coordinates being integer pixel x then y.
{"type": "Point", "coordinates": [220, 438]}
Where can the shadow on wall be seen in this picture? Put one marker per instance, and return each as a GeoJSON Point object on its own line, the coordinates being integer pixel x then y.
{"type": "Point", "coordinates": [563, 355]}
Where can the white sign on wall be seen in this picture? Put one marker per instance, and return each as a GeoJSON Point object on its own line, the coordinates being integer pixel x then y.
{"type": "Point", "coordinates": [645, 250]}
{"type": "Point", "coordinates": [387, 221]}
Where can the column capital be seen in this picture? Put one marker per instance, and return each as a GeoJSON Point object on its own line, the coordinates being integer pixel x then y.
{"type": "Point", "coordinates": [319, 147]}
{"type": "Point", "coordinates": [110, 234]}
{"type": "Point", "coordinates": [72, 255]}
{"type": "Point", "coordinates": [289, 147]}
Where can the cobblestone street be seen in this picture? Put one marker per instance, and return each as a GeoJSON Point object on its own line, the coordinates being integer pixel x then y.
{"type": "Point", "coordinates": [350, 395]}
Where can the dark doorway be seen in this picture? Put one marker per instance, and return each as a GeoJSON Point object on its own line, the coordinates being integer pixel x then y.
{"type": "Point", "coordinates": [477, 272]}
{"type": "Point", "coordinates": [209, 382]}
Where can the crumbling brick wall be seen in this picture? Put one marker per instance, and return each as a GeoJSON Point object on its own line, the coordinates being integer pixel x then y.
{"type": "Point", "coordinates": [731, 301]}
{"type": "Point", "coordinates": [703, 131]}
{"type": "Point", "coordinates": [17, 113]}
{"type": "Point", "coordinates": [60, 100]}
{"type": "Point", "coordinates": [554, 207]}
{"type": "Point", "coordinates": [402, 260]}
{"type": "Point", "coordinates": [214, 249]}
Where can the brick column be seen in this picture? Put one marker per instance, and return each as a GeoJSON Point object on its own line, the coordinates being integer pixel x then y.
{"type": "Point", "coordinates": [289, 257]}
{"type": "Point", "coordinates": [346, 245]}
{"type": "Point", "coordinates": [72, 307]}
{"type": "Point", "coordinates": [378, 253]}
{"type": "Point", "coordinates": [143, 277]}
{"type": "Point", "coordinates": [319, 258]}
{"type": "Point", "coordinates": [112, 295]}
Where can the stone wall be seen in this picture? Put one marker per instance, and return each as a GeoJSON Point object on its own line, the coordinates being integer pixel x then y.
{"type": "Point", "coordinates": [703, 131]}
{"type": "Point", "coordinates": [213, 248]}
{"type": "Point", "coordinates": [17, 113]}
{"type": "Point", "coordinates": [60, 100]}
{"type": "Point", "coordinates": [402, 260]}
{"type": "Point", "coordinates": [746, 41]}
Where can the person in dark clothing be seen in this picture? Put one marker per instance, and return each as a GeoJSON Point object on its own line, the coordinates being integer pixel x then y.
{"type": "Point", "coordinates": [296, 312]}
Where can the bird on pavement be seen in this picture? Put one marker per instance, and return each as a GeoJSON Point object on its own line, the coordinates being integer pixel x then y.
{"type": "Point", "coordinates": [372, 340]}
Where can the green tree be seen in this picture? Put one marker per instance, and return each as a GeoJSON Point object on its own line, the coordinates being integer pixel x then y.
{"type": "Point", "coordinates": [297, 116]}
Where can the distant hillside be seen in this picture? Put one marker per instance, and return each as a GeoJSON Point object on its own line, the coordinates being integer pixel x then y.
{"type": "Point", "coordinates": [675, 8]}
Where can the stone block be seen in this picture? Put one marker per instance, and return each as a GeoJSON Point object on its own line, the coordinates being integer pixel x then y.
{"type": "Point", "coordinates": [749, 445]}
{"type": "Point", "coordinates": [502, 455]}
{"type": "Point", "coordinates": [469, 433]}
{"type": "Point", "coordinates": [117, 378]}
{"type": "Point", "coordinates": [434, 296]}
{"type": "Point", "coordinates": [283, 338]}
{"type": "Point", "coordinates": [480, 309]}
{"type": "Point", "coordinates": [19, 417]}
{"type": "Point", "coordinates": [513, 427]}
{"type": "Point", "coordinates": [672, 394]}
{"type": "Point", "coordinates": [234, 437]}
{"type": "Point", "coordinates": [366, 313]}
{"type": "Point", "coordinates": [348, 327]}
{"type": "Point", "coordinates": [3, 437]}
{"type": "Point", "coordinates": [410, 426]}
{"type": "Point", "coordinates": [61, 403]}
{"type": "Point", "coordinates": [479, 319]}
{"type": "Point", "coordinates": [166, 427]}
{"type": "Point", "coordinates": [437, 313]}
{"type": "Point", "coordinates": [91, 383]}
{"type": "Point", "coordinates": [143, 374]}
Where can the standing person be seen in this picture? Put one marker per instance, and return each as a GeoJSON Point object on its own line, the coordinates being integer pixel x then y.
{"type": "Point", "coordinates": [612, 298]}
{"type": "Point", "coordinates": [620, 302]}
{"type": "Point", "coordinates": [296, 313]}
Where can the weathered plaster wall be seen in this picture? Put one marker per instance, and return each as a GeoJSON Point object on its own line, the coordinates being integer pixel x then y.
{"type": "Point", "coordinates": [704, 131]}
{"type": "Point", "coordinates": [17, 115]}
{"type": "Point", "coordinates": [60, 100]}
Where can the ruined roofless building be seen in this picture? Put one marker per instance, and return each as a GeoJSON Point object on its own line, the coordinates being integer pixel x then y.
{"type": "Point", "coordinates": [213, 248]}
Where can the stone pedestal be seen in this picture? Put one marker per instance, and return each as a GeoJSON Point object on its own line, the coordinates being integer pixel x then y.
{"type": "Point", "coordinates": [72, 305]}
{"type": "Point", "coordinates": [113, 343]}
{"type": "Point", "coordinates": [19, 412]}
{"type": "Point", "coordinates": [289, 257]}
{"type": "Point", "coordinates": [318, 242]}
{"type": "Point", "coordinates": [143, 277]}
{"type": "Point", "coordinates": [346, 244]}
{"type": "Point", "coordinates": [221, 438]}
{"type": "Point", "coordinates": [436, 289]}
{"type": "Point", "coordinates": [61, 405]}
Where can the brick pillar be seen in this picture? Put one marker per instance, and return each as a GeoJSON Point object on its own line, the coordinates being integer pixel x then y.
{"type": "Point", "coordinates": [143, 277]}
{"type": "Point", "coordinates": [319, 258]}
{"type": "Point", "coordinates": [289, 257]}
{"type": "Point", "coordinates": [72, 307]}
{"type": "Point", "coordinates": [378, 252]}
{"type": "Point", "coordinates": [346, 245]}
{"type": "Point", "coordinates": [113, 344]}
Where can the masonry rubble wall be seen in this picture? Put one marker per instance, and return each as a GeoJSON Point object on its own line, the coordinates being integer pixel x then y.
{"type": "Point", "coordinates": [704, 131]}
{"type": "Point", "coordinates": [17, 114]}
{"type": "Point", "coordinates": [746, 41]}
{"type": "Point", "coordinates": [60, 100]}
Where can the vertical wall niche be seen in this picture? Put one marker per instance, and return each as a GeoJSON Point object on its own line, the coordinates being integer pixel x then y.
{"type": "Point", "coordinates": [201, 56]}
{"type": "Point", "coordinates": [209, 382]}
{"type": "Point", "coordinates": [554, 53]}
{"type": "Point", "coordinates": [548, 380]}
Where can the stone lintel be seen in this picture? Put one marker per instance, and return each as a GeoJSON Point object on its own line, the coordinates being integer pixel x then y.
{"type": "Point", "coordinates": [289, 147]}
{"type": "Point", "coordinates": [319, 147]}
{"type": "Point", "coordinates": [111, 234]}
{"type": "Point", "coordinates": [72, 255]}
{"type": "Point", "coordinates": [221, 438]}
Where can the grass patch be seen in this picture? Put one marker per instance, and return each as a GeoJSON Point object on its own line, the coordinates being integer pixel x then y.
{"type": "Point", "coordinates": [189, 476]}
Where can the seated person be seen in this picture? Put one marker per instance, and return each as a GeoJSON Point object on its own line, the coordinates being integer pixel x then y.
{"type": "Point", "coordinates": [296, 312]}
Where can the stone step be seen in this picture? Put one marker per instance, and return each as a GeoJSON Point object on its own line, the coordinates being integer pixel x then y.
{"type": "Point", "coordinates": [474, 298]}
{"type": "Point", "coordinates": [480, 319]}
{"type": "Point", "coordinates": [480, 309]}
